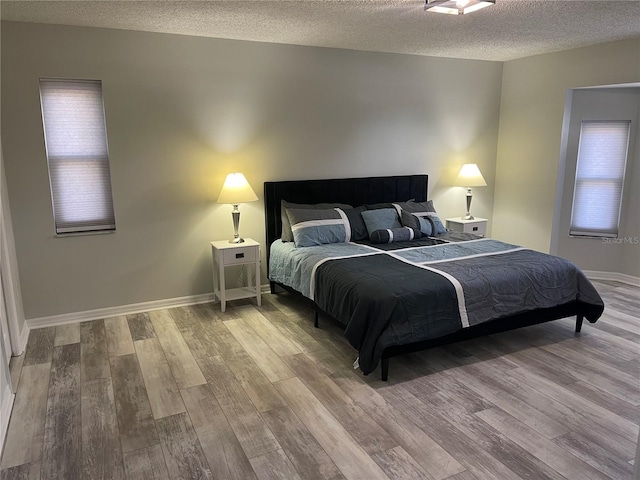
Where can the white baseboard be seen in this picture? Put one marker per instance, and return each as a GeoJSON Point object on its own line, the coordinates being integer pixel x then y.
{"type": "Point", "coordinates": [613, 276]}
{"type": "Point", "coordinates": [100, 313]}
{"type": "Point", "coordinates": [24, 337]}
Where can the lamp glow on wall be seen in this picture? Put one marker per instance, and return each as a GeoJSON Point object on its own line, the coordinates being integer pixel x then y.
{"type": "Point", "coordinates": [468, 177]}
{"type": "Point", "coordinates": [456, 7]}
{"type": "Point", "coordinates": [236, 190]}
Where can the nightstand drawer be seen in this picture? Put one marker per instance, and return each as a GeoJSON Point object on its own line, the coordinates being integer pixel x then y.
{"type": "Point", "coordinates": [239, 255]}
{"type": "Point", "coordinates": [477, 226]}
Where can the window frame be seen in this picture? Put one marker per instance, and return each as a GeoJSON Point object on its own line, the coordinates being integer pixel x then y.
{"type": "Point", "coordinates": [586, 233]}
{"type": "Point", "coordinates": [82, 227]}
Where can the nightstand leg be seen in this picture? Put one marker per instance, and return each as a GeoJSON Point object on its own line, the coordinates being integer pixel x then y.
{"type": "Point", "coordinates": [223, 288]}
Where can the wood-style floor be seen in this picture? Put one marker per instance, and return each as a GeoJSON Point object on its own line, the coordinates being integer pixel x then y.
{"type": "Point", "coordinates": [257, 392]}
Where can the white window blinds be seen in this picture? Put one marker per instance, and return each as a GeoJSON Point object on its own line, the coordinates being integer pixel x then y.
{"type": "Point", "coordinates": [597, 197]}
{"type": "Point", "coordinates": [77, 154]}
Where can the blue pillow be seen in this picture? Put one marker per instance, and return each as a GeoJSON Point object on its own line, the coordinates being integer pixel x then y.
{"type": "Point", "coordinates": [318, 226]}
{"type": "Point", "coordinates": [381, 219]}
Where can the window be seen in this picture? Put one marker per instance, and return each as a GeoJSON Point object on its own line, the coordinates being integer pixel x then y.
{"type": "Point", "coordinates": [77, 153]}
{"type": "Point", "coordinates": [597, 197]}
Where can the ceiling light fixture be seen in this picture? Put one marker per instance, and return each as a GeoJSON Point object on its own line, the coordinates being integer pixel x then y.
{"type": "Point", "coordinates": [456, 7]}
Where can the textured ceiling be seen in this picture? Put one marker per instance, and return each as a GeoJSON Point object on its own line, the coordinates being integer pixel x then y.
{"type": "Point", "coordinates": [510, 29]}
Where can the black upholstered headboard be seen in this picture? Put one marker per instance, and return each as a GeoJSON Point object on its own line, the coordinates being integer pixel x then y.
{"type": "Point", "coordinates": [353, 191]}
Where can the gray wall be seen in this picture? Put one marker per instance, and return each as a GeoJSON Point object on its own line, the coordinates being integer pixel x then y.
{"type": "Point", "coordinates": [182, 112]}
{"type": "Point", "coordinates": [531, 116]}
{"type": "Point", "coordinates": [607, 255]}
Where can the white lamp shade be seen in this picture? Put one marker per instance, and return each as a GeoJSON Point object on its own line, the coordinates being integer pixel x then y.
{"type": "Point", "coordinates": [236, 190]}
{"type": "Point", "coordinates": [470, 176]}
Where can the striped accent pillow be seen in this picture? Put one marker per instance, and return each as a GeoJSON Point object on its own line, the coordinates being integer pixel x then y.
{"type": "Point", "coordinates": [390, 235]}
{"type": "Point", "coordinates": [423, 210]}
{"type": "Point", "coordinates": [318, 227]}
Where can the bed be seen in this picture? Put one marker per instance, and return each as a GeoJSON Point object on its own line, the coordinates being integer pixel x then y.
{"type": "Point", "coordinates": [402, 297]}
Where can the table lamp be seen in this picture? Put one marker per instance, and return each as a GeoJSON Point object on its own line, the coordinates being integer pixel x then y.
{"type": "Point", "coordinates": [468, 177]}
{"type": "Point", "coordinates": [236, 190]}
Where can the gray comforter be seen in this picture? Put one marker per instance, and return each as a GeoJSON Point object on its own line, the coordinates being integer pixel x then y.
{"type": "Point", "coordinates": [406, 295]}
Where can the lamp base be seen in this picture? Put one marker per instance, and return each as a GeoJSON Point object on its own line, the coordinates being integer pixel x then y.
{"type": "Point", "coordinates": [235, 214]}
{"type": "Point", "coordinates": [468, 217]}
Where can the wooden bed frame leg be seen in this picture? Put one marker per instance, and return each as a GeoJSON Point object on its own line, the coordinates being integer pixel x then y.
{"type": "Point", "coordinates": [315, 318]}
{"type": "Point", "coordinates": [579, 319]}
{"type": "Point", "coordinates": [384, 368]}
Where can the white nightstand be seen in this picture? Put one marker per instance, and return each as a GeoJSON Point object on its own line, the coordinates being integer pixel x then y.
{"type": "Point", "coordinates": [225, 254]}
{"type": "Point", "coordinates": [477, 226]}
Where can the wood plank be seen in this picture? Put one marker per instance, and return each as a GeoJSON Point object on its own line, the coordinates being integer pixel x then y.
{"type": "Point", "coordinates": [267, 331]}
{"type": "Point", "coordinates": [119, 341]}
{"type": "Point", "coordinates": [485, 382]}
{"type": "Point", "coordinates": [362, 427]}
{"type": "Point", "coordinates": [66, 334]}
{"type": "Point", "coordinates": [223, 451]}
{"type": "Point", "coordinates": [255, 383]}
{"type": "Point", "coordinates": [135, 420]}
{"type": "Point", "coordinates": [182, 451]}
{"type": "Point", "coordinates": [500, 447]}
{"type": "Point", "coordinates": [585, 362]}
{"type": "Point", "coordinates": [273, 466]}
{"type": "Point", "coordinates": [468, 455]}
{"type": "Point", "coordinates": [305, 453]}
{"type": "Point", "coordinates": [296, 335]}
{"type": "Point", "coordinates": [574, 419]}
{"type": "Point", "coordinates": [594, 455]}
{"type": "Point", "coordinates": [345, 452]}
{"type": "Point", "coordinates": [95, 358]}
{"type": "Point", "coordinates": [431, 456]}
{"type": "Point", "coordinates": [39, 346]}
{"type": "Point", "coordinates": [61, 452]}
{"type": "Point", "coordinates": [162, 390]}
{"type": "Point", "coordinates": [28, 471]}
{"type": "Point", "coordinates": [542, 448]}
{"type": "Point", "coordinates": [398, 464]}
{"type": "Point", "coordinates": [140, 326]}
{"type": "Point", "coordinates": [23, 443]}
{"type": "Point", "coordinates": [184, 368]}
{"type": "Point", "coordinates": [101, 452]}
{"type": "Point", "coordinates": [251, 431]}
{"type": "Point", "coordinates": [600, 415]}
{"type": "Point", "coordinates": [605, 400]}
{"type": "Point", "coordinates": [268, 361]}
{"type": "Point", "coordinates": [621, 320]}
{"type": "Point", "coordinates": [146, 464]}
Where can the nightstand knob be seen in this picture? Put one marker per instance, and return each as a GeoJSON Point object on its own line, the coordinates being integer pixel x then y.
{"type": "Point", "coordinates": [239, 255]}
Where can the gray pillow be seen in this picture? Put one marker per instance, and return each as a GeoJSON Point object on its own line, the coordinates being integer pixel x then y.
{"type": "Point", "coordinates": [381, 219]}
{"type": "Point", "coordinates": [424, 224]}
{"type": "Point", "coordinates": [423, 210]}
{"type": "Point", "coordinates": [358, 228]}
{"type": "Point", "coordinates": [287, 235]}
{"type": "Point", "coordinates": [318, 227]}
{"type": "Point", "coordinates": [390, 235]}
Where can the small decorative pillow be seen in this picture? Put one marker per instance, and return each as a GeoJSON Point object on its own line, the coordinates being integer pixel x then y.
{"type": "Point", "coordinates": [389, 235]}
{"type": "Point", "coordinates": [317, 227]}
{"type": "Point", "coordinates": [287, 234]}
{"type": "Point", "coordinates": [380, 219]}
{"type": "Point", "coordinates": [424, 224]}
{"type": "Point", "coordinates": [424, 209]}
